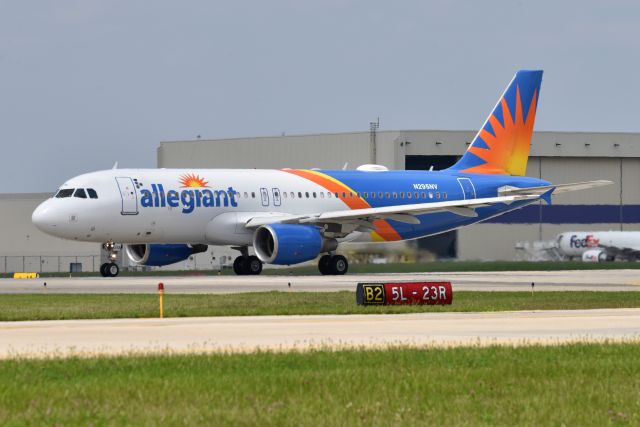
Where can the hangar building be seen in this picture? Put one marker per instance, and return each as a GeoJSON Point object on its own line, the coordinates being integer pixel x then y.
{"type": "Point", "coordinates": [560, 157]}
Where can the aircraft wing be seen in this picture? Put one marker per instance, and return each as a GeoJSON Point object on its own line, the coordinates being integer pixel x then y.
{"type": "Point", "coordinates": [557, 189]}
{"type": "Point", "coordinates": [629, 253]}
{"type": "Point", "coordinates": [401, 213]}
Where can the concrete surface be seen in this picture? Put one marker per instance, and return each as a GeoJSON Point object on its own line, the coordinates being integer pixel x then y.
{"type": "Point", "coordinates": [246, 334]}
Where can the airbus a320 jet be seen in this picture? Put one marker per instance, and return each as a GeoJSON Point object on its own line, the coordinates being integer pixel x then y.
{"type": "Point", "coordinates": [290, 216]}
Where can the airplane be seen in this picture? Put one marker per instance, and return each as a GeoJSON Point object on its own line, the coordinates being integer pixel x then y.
{"type": "Point", "coordinates": [597, 246]}
{"type": "Point", "coordinates": [290, 216]}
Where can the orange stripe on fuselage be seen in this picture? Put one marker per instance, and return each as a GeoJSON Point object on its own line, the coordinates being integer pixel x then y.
{"type": "Point", "coordinates": [383, 228]}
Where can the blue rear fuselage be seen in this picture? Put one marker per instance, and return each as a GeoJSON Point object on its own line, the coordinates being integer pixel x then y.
{"type": "Point", "coordinates": [402, 187]}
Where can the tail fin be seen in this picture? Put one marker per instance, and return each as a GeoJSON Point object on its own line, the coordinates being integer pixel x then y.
{"type": "Point", "coordinates": [502, 145]}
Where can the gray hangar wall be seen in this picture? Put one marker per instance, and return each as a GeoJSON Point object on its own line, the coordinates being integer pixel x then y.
{"type": "Point", "coordinates": [560, 157]}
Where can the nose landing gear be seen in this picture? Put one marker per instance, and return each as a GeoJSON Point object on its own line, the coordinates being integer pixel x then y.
{"type": "Point", "coordinates": [110, 269]}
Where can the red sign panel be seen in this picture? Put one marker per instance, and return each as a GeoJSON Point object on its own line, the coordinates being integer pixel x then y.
{"type": "Point", "coordinates": [429, 293]}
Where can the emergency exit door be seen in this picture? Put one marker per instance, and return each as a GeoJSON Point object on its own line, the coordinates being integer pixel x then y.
{"type": "Point", "coordinates": [129, 196]}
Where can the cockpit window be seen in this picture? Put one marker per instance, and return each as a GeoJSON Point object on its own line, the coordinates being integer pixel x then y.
{"type": "Point", "coordinates": [80, 193]}
{"type": "Point", "coordinates": [66, 192]}
{"type": "Point", "coordinates": [92, 193]}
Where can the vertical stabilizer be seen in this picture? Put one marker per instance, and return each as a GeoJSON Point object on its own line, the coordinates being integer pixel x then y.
{"type": "Point", "coordinates": [502, 144]}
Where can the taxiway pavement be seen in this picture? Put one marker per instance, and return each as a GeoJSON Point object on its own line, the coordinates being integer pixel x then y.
{"type": "Point", "coordinates": [578, 280]}
{"type": "Point", "coordinates": [282, 333]}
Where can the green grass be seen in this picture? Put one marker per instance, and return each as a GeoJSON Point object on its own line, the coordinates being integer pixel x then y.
{"type": "Point", "coordinates": [447, 266]}
{"type": "Point", "coordinates": [91, 306]}
{"type": "Point", "coordinates": [586, 385]}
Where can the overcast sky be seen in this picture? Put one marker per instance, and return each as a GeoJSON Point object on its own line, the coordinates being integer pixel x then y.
{"type": "Point", "coordinates": [85, 83]}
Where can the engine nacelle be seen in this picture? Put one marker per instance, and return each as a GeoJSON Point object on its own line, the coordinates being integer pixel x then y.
{"type": "Point", "coordinates": [287, 244]}
{"type": "Point", "coordinates": [594, 255]}
{"type": "Point", "coordinates": [159, 255]}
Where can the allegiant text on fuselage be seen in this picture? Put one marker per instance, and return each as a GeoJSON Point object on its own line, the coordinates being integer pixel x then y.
{"type": "Point", "coordinates": [188, 199]}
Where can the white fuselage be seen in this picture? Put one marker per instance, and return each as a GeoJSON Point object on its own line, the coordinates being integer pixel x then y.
{"type": "Point", "coordinates": [575, 243]}
{"type": "Point", "coordinates": [151, 205]}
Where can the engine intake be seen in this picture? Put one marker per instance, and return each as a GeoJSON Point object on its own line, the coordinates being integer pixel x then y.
{"type": "Point", "coordinates": [286, 244]}
{"type": "Point", "coordinates": [160, 255]}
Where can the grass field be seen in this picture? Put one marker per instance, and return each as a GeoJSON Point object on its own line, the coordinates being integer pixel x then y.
{"type": "Point", "coordinates": [91, 306]}
{"type": "Point", "coordinates": [564, 385]}
{"type": "Point", "coordinates": [448, 266]}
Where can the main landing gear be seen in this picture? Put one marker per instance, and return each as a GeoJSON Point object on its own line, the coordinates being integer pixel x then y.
{"type": "Point", "coordinates": [336, 265]}
{"type": "Point", "coordinates": [247, 265]}
{"type": "Point", "coordinates": [110, 269]}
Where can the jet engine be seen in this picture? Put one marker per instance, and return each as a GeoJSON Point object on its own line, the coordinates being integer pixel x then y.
{"type": "Point", "coordinates": [595, 255]}
{"type": "Point", "coordinates": [287, 244]}
{"type": "Point", "coordinates": [159, 255]}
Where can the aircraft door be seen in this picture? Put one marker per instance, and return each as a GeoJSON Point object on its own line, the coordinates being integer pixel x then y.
{"type": "Point", "coordinates": [468, 189]}
{"type": "Point", "coordinates": [276, 196]}
{"type": "Point", "coordinates": [129, 196]}
{"type": "Point", "coordinates": [264, 195]}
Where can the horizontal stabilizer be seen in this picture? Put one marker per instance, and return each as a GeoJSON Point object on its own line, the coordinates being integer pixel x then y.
{"type": "Point", "coordinates": [557, 189]}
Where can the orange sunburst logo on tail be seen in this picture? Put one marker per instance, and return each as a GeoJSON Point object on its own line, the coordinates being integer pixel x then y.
{"type": "Point", "coordinates": [508, 150]}
{"type": "Point", "coordinates": [193, 180]}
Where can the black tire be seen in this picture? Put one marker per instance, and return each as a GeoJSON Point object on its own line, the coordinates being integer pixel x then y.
{"type": "Point", "coordinates": [339, 265]}
{"type": "Point", "coordinates": [324, 265]}
{"type": "Point", "coordinates": [103, 270]}
{"type": "Point", "coordinates": [239, 266]}
{"type": "Point", "coordinates": [253, 265]}
{"type": "Point", "coordinates": [112, 269]}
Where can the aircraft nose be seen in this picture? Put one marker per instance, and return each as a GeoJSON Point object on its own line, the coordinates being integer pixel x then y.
{"type": "Point", "coordinates": [43, 217]}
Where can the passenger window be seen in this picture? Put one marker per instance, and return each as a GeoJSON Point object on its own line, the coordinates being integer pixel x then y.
{"type": "Point", "coordinates": [409, 195]}
{"type": "Point", "coordinates": [416, 195]}
{"type": "Point", "coordinates": [329, 193]}
{"type": "Point", "coordinates": [306, 194]}
{"type": "Point", "coordinates": [444, 195]}
{"type": "Point", "coordinates": [92, 193]}
{"type": "Point", "coordinates": [380, 195]}
{"type": "Point", "coordinates": [373, 195]}
{"type": "Point", "coordinates": [67, 192]}
{"type": "Point", "coordinates": [246, 196]}
{"type": "Point", "coordinates": [321, 195]}
{"type": "Point", "coordinates": [437, 194]}
{"type": "Point", "coordinates": [423, 195]}
{"type": "Point", "coordinates": [337, 195]}
{"type": "Point", "coordinates": [430, 195]}
{"type": "Point", "coordinates": [366, 194]}
{"type": "Point", "coordinates": [344, 195]}
{"type": "Point", "coordinates": [314, 194]}
{"type": "Point", "coordinates": [253, 195]}
{"type": "Point", "coordinates": [293, 195]}
{"type": "Point", "coordinates": [284, 194]}
{"type": "Point", "coordinates": [80, 194]}
{"type": "Point", "coordinates": [299, 194]}
{"type": "Point", "coordinates": [395, 195]}
{"type": "Point", "coordinates": [387, 195]}
{"type": "Point", "coordinates": [402, 195]}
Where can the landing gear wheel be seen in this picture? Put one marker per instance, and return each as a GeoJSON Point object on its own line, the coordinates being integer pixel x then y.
{"type": "Point", "coordinates": [112, 269]}
{"type": "Point", "coordinates": [338, 265]}
{"type": "Point", "coordinates": [253, 265]}
{"type": "Point", "coordinates": [103, 270]}
{"type": "Point", "coordinates": [239, 266]}
{"type": "Point", "coordinates": [324, 265]}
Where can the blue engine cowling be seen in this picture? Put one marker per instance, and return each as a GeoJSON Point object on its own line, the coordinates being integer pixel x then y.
{"type": "Point", "coordinates": [160, 255]}
{"type": "Point", "coordinates": [287, 244]}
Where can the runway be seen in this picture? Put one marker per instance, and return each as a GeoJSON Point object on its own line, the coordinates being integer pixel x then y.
{"type": "Point", "coordinates": [578, 280]}
{"type": "Point", "coordinates": [282, 333]}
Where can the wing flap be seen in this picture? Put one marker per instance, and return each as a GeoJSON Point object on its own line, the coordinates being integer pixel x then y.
{"type": "Point", "coordinates": [402, 213]}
